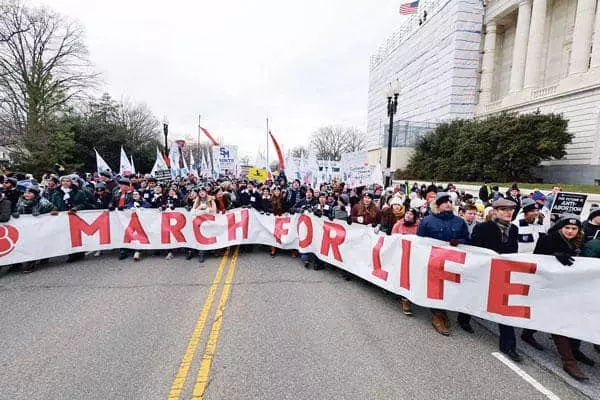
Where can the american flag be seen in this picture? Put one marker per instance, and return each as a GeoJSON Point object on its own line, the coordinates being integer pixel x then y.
{"type": "Point", "coordinates": [409, 8]}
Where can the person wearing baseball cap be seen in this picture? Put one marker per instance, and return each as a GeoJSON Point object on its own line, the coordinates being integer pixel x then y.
{"type": "Point", "coordinates": [563, 241]}
{"type": "Point", "coordinates": [443, 225]}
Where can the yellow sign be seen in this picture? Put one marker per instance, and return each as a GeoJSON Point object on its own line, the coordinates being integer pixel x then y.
{"type": "Point", "coordinates": [257, 174]}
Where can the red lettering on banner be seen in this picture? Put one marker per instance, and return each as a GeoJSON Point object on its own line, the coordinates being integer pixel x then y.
{"type": "Point", "coordinates": [233, 225]}
{"type": "Point", "coordinates": [405, 265]}
{"type": "Point", "coordinates": [501, 287]}
{"type": "Point", "coordinates": [332, 242]}
{"type": "Point", "coordinates": [135, 231]}
{"type": "Point", "coordinates": [376, 254]}
{"type": "Point", "coordinates": [305, 219]}
{"type": "Point", "coordinates": [280, 229]}
{"type": "Point", "coordinates": [197, 227]}
{"type": "Point", "coordinates": [77, 226]}
{"type": "Point", "coordinates": [436, 274]}
{"type": "Point", "coordinates": [167, 228]}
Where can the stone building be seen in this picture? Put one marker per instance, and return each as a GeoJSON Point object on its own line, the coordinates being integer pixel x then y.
{"type": "Point", "coordinates": [545, 55]}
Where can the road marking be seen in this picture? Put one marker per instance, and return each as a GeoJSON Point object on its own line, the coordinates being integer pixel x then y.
{"type": "Point", "coordinates": [186, 362]}
{"type": "Point", "coordinates": [213, 337]}
{"type": "Point", "coordinates": [528, 378]}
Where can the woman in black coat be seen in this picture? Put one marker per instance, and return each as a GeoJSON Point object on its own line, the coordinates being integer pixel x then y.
{"type": "Point", "coordinates": [563, 241]}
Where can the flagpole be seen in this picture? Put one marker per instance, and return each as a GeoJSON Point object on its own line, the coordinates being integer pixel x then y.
{"type": "Point", "coordinates": [199, 129]}
{"type": "Point", "coordinates": [268, 168]}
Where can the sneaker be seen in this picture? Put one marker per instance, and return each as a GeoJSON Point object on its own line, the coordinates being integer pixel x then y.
{"type": "Point", "coordinates": [189, 255]}
{"type": "Point", "coordinates": [136, 256]}
{"type": "Point", "coordinates": [97, 253]}
{"type": "Point", "coordinates": [169, 256]}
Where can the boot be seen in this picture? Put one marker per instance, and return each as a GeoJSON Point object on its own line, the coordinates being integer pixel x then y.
{"type": "Point", "coordinates": [566, 354]}
{"type": "Point", "coordinates": [27, 267]}
{"type": "Point", "coordinates": [318, 265]}
{"type": "Point", "coordinates": [597, 347]}
{"type": "Point", "coordinates": [440, 323]}
{"type": "Point", "coordinates": [189, 255]}
{"type": "Point", "coordinates": [136, 256]}
{"type": "Point", "coordinates": [273, 251]}
{"type": "Point", "coordinates": [201, 257]}
{"type": "Point", "coordinates": [527, 337]}
{"type": "Point", "coordinates": [406, 306]}
{"type": "Point", "coordinates": [579, 356]}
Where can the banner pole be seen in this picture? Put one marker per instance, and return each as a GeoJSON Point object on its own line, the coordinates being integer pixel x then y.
{"type": "Point", "coordinates": [268, 168]}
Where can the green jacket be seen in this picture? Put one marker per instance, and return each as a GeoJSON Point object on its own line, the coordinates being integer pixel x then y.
{"type": "Point", "coordinates": [76, 200]}
{"type": "Point", "coordinates": [591, 249]}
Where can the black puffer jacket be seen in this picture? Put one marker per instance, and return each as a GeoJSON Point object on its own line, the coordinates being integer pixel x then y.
{"type": "Point", "coordinates": [5, 210]}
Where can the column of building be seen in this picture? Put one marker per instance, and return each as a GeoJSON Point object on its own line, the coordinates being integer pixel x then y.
{"type": "Point", "coordinates": [582, 36]}
{"type": "Point", "coordinates": [520, 46]}
{"type": "Point", "coordinates": [487, 63]}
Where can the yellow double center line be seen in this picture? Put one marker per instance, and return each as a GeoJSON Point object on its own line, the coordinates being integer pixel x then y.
{"type": "Point", "coordinates": [204, 371]}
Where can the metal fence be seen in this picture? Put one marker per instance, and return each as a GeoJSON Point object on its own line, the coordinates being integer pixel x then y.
{"type": "Point", "coordinates": [406, 133]}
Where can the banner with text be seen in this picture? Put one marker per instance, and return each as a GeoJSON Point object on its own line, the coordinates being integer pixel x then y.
{"type": "Point", "coordinates": [225, 159]}
{"type": "Point", "coordinates": [524, 290]}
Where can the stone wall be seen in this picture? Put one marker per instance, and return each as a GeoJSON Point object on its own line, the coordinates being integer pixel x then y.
{"type": "Point", "coordinates": [437, 66]}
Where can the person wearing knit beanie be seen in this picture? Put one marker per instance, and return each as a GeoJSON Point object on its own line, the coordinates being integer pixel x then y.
{"type": "Point", "coordinates": [531, 224]}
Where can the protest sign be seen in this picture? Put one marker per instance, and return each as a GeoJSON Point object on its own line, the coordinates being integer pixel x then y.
{"type": "Point", "coordinates": [568, 203]}
{"type": "Point", "coordinates": [523, 290]}
{"type": "Point", "coordinates": [162, 175]}
{"type": "Point", "coordinates": [225, 159]}
{"type": "Point", "coordinates": [356, 169]}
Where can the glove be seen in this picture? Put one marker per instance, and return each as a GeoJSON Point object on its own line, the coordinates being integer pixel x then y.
{"type": "Point", "coordinates": [349, 221]}
{"type": "Point", "coordinates": [54, 212]}
{"type": "Point", "coordinates": [15, 215]}
{"type": "Point", "coordinates": [454, 242]}
{"type": "Point", "coordinates": [188, 208]}
{"type": "Point", "coordinates": [35, 212]}
{"type": "Point", "coordinates": [330, 217]}
{"type": "Point", "coordinates": [72, 211]}
{"type": "Point", "coordinates": [111, 208]}
{"type": "Point", "coordinates": [564, 258]}
{"type": "Point", "coordinates": [120, 208]}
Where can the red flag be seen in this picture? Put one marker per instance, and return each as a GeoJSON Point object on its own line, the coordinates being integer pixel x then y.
{"type": "Point", "coordinates": [209, 136]}
{"type": "Point", "coordinates": [278, 150]}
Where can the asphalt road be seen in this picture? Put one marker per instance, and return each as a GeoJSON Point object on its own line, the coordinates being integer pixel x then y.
{"type": "Point", "coordinates": [258, 328]}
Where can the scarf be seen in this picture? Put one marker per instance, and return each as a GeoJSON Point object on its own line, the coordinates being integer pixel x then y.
{"type": "Point", "coordinates": [504, 229]}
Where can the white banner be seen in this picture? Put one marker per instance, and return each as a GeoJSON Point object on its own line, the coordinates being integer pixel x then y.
{"type": "Point", "coordinates": [225, 159]}
{"type": "Point", "coordinates": [524, 290]}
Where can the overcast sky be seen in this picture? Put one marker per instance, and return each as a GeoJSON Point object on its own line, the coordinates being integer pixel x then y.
{"type": "Point", "coordinates": [303, 64]}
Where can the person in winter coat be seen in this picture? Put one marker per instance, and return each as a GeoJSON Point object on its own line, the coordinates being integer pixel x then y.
{"type": "Point", "coordinates": [293, 195]}
{"type": "Point", "coordinates": [11, 193]}
{"type": "Point", "coordinates": [501, 236]}
{"type": "Point", "coordinates": [204, 204]}
{"type": "Point", "coordinates": [563, 241]}
{"type": "Point", "coordinates": [5, 208]}
{"type": "Point", "coordinates": [591, 227]}
{"type": "Point", "coordinates": [531, 225]}
{"type": "Point", "coordinates": [266, 205]}
{"type": "Point", "coordinates": [278, 208]}
{"type": "Point", "coordinates": [470, 217]}
{"type": "Point", "coordinates": [158, 198]}
{"type": "Point", "coordinates": [485, 192]}
{"type": "Point", "coordinates": [322, 209]}
{"type": "Point", "coordinates": [341, 211]}
{"type": "Point", "coordinates": [31, 203]}
{"type": "Point", "coordinates": [365, 212]}
{"type": "Point", "coordinates": [409, 225]}
{"type": "Point", "coordinates": [51, 183]}
{"type": "Point", "coordinates": [306, 205]}
{"type": "Point", "coordinates": [137, 201]}
{"type": "Point", "coordinates": [392, 215]}
{"type": "Point", "coordinates": [68, 197]}
{"type": "Point", "coordinates": [102, 198]}
{"type": "Point", "coordinates": [250, 197]}
{"type": "Point", "coordinates": [223, 200]}
{"type": "Point", "coordinates": [445, 226]}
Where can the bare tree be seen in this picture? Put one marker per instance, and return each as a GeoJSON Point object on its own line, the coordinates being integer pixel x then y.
{"type": "Point", "coordinates": [43, 66]}
{"type": "Point", "coordinates": [139, 121]}
{"type": "Point", "coordinates": [298, 151]}
{"type": "Point", "coordinates": [330, 142]}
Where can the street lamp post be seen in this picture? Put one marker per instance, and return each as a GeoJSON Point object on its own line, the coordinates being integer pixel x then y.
{"type": "Point", "coordinates": [166, 133]}
{"type": "Point", "coordinates": [392, 107]}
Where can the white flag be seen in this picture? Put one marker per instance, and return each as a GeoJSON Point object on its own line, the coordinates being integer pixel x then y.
{"type": "Point", "coordinates": [193, 167]}
{"type": "Point", "coordinates": [101, 165]}
{"type": "Point", "coordinates": [132, 164]}
{"type": "Point", "coordinates": [125, 167]}
{"type": "Point", "coordinates": [159, 164]}
{"type": "Point", "coordinates": [174, 160]}
{"type": "Point", "coordinates": [377, 175]}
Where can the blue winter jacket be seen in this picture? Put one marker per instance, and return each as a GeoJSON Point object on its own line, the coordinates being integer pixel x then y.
{"type": "Point", "coordinates": [444, 226]}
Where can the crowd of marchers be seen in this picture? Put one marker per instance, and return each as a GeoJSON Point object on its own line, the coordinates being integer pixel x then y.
{"type": "Point", "coordinates": [503, 222]}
